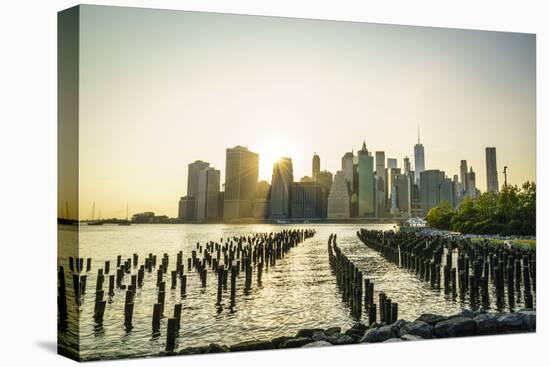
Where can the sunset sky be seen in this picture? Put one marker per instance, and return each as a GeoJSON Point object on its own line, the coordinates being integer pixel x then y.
{"type": "Point", "coordinates": [161, 89]}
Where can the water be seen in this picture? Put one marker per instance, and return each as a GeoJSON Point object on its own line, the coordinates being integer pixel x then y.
{"type": "Point", "coordinates": [300, 291]}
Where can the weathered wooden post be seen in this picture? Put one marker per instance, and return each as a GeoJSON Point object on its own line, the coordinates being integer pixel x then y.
{"type": "Point", "coordinates": [177, 315]}
{"type": "Point", "coordinates": [183, 285]}
{"type": "Point", "coordinates": [171, 334]}
{"type": "Point", "coordinates": [157, 313]}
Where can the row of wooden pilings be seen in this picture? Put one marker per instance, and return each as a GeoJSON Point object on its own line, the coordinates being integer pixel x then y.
{"type": "Point", "coordinates": [475, 266]}
{"type": "Point", "coordinates": [226, 260]}
{"type": "Point", "coordinates": [357, 291]}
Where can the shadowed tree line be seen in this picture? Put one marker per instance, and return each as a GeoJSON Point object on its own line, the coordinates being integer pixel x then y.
{"type": "Point", "coordinates": [512, 211]}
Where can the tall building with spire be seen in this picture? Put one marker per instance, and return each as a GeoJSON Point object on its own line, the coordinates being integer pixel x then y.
{"type": "Point", "coordinates": [491, 166]}
{"type": "Point", "coordinates": [419, 163]}
{"type": "Point", "coordinates": [464, 175]}
{"type": "Point", "coordinates": [366, 205]}
{"type": "Point", "coordinates": [472, 190]}
{"type": "Point", "coordinates": [315, 166]}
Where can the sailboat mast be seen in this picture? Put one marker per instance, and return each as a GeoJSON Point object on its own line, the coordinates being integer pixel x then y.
{"type": "Point", "coordinates": [93, 211]}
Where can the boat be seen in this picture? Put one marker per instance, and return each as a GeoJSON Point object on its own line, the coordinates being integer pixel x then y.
{"type": "Point", "coordinates": [413, 225]}
{"type": "Point", "coordinates": [97, 222]}
{"type": "Point", "coordinates": [125, 222]}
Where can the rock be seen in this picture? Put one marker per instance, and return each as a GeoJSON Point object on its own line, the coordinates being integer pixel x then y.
{"type": "Point", "coordinates": [392, 340]}
{"type": "Point", "coordinates": [455, 326]}
{"type": "Point", "coordinates": [465, 313]}
{"type": "Point", "coordinates": [377, 335]}
{"type": "Point", "coordinates": [332, 330]}
{"type": "Point", "coordinates": [410, 337]}
{"type": "Point", "coordinates": [333, 338]}
{"type": "Point", "coordinates": [418, 328]}
{"type": "Point", "coordinates": [529, 319]}
{"type": "Point", "coordinates": [320, 343]}
{"type": "Point", "coordinates": [431, 319]}
{"type": "Point", "coordinates": [295, 343]}
{"type": "Point", "coordinates": [306, 333]}
{"type": "Point", "coordinates": [344, 339]}
{"type": "Point", "coordinates": [319, 335]}
{"type": "Point", "coordinates": [357, 331]}
{"type": "Point", "coordinates": [397, 325]}
{"type": "Point", "coordinates": [217, 348]}
{"type": "Point", "coordinates": [252, 345]}
{"type": "Point", "coordinates": [277, 341]}
{"type": "Point", "coordinates": [193, 350]}
{"type": "Point", "coordinates": [486, 323]}
{"type": "Point", "coordinates": [510, 322]}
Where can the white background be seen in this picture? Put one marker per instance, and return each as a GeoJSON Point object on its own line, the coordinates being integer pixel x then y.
{"type": "Point", "coordinates": [28, 180]}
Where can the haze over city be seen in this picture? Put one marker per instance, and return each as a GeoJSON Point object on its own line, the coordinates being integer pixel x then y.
{"type": "Point", "coordinates": [158, 90]}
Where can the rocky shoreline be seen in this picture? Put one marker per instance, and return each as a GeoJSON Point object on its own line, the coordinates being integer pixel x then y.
{"type": "Point", "coordinates": [427, 326]}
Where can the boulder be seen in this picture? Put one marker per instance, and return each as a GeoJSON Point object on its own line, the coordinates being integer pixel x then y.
{"type": "Point", "coordinates": [510, 322]}
{"type": "Point", "coordinates": [431, 319]}
{"type": "Point", "coordinates": [252, 345]}
{"type": "Point", "coordinates": [455, 326]}
{"type": "Point", "coordinates": [357, 331]}
{"type": "Point", "coordinates": [529, 319]}
{"type": "Point", "coordinates": [333, 338]}
{"type": "Point", "coordinates": [332, 330]}
{"type": "Point", "coordinates": [320, 343]}
{"type": "Point", "coordinates": [418, 328]}
{"type": "Point", "coordinates": [397, 325]}
{"type": "Point", "coordinates": [377, 335]}
{"type": "Point", "coordinates": [486, 323]}
{"type": "Point", "coordinates": [319, 335]}
{"type": "Point", "coordinates": [278, 340]}
{"type": "Point", "coordinates": [344, 339]}
{"type": "Point", "coordinates": [217, 348]}
{"type": "Point", "coordinates": [306, 333]}
{"type": "Point", "coordinates": [410, 337]}
{"type": "Point", "coordinates": [295, 342]}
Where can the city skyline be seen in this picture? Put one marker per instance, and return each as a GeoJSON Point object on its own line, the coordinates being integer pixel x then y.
{"type": "Point", "coordinates": [327, 88]}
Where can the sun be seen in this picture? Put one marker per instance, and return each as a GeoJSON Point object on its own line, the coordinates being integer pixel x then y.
{"type": "Point", "coordinates": [270, 152]}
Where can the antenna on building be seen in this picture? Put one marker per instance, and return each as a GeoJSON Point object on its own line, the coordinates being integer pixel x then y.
{"type": "Point", "coordinates": [418, 131]}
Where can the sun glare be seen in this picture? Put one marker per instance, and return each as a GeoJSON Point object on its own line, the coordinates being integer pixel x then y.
{"type": "Point", "coordinates": [270, 152]}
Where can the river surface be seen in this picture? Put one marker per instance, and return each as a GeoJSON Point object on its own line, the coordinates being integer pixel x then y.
{"type": "Point", "coordinates": [300, 291]}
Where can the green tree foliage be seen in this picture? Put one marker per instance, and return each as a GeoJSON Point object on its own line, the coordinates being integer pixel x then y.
{"type": "Point", "coordinates": [440, 216]}
{"type": "Point", "coordinates": [510, 212]}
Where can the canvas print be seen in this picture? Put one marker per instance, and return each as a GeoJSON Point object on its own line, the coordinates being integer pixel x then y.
{"type": "Point", "coordinates": [235, 183]}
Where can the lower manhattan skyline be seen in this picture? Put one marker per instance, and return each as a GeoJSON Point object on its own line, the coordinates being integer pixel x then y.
{"type": "Point", "coordinates": [290, 90]}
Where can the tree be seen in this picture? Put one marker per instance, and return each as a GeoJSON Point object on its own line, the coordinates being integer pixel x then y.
{"type": "Point", "coordinates": [440, 216]}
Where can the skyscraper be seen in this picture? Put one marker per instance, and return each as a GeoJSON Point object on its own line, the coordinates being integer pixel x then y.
{"type": "Point", "coordinates": [419, 164]}
{"type": "Point", "coordinates": [261, 204]}
{"type": "Point", "coordinates": [429, 190]}
{"type": "Point", "coordinates": [464, 175]}
{"type": "Point", "coordinates": [281, 183]}
{"type": "Point", "coordinates": [338, 205]}
{"type": "Point", "coordinates": [324, 178]}
{"type": "Point", "coordinates": [308, 200]}
{"type": "Point", "coordinates": [472, 189]}
{"type": "Point", "coordinates": [193, 170]}
{"type": "Point", "coordinates": [380, 164]}
{"type": "Point", "coordinates": [406, 165]}
{"type": "Point", "coordinates": [241, 179]}
{"type": "Point", "coordinates": [403, 193]}
{"type": "Point", "coordinates": [208, 191]}
{"type": "Point", "coordinates": [366, 182]}
{"type": "Point", "coordinates": [492, 173]}
{"type": "Point", "coordinates": [315, 166]}
{"type": "Point", "coordinates": [347, 169]}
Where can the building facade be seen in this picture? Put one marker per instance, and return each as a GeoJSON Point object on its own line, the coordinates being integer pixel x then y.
{"type": "Point", "coordinates": [281, 185]}
{"type": "Point", "coordinates": [491, 165]}
{"type": "Point", "coordinates": [208, 192]}
{"type": "Point", "coordinates": [308, 201]}
{"type": "Point", "coordinates": [419, 162]}
{"type": "Point", "coordinates": [429, 190]}
{"type": "Point", "coordinates": [338, 202]}
{"type": "Point", "coordinates": [241, 178]}
{"type": "Point", "coordinates": [315, 166]}
{"type": "Point", "coordinates": [366, 204]}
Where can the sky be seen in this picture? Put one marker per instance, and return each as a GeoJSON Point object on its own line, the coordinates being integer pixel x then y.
{"type": "Point", "coordinates": [160, 89]}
